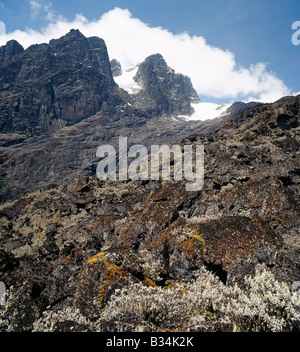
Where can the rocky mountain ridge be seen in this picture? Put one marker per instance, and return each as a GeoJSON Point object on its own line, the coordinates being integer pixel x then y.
{"type": "Point", "coordinates": [59, 102]}
{"type": "Point", "coordinates": [48, 86]}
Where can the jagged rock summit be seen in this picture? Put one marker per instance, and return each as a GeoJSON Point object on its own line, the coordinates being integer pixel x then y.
{"type": "Point", "coordinates": [169, 92]}
{"type": "Point", "coordinates": [51, 85]}
{"type": "Point", "coordinates": [48, 86]}
{"type": "Point", "coordinates": [116, 68]}
{"type": "Point", "coordinates": [8, 51]}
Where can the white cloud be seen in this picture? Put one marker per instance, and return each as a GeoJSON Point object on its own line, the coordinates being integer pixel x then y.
{"type": "Point", "coordinates": [45, 10]}
{"type": "Point", "coordinates": [2, 28]}
{"type": "Point", "coordinates": [50, 14]}
{"type": "Point", "coordinates": [35, 8]}
{"type": "Point", "coordinates": [214, 72]}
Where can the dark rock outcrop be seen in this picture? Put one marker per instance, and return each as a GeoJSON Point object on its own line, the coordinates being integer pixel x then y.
{"type": "Point", "coordinates": [8, 51]}
{"type": "Point", "coordinates": [116, 68]}
{"type": "Point", "coordinates": [163, 91]}
{"type": "Point", "coordinates": [48, 86]}
{"type": "Point", "coordinates": [51, 85]}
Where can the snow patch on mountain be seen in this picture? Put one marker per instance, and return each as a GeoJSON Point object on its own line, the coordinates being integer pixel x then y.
{"type": "Point", "coordinates": [126, 81]}
{"type": "Point", "coordinates": [202, 110]}
{"type": "Point", "coordinates": [206, 111]}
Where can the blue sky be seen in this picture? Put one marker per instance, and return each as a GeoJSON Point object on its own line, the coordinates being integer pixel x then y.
{"type": "Point", "coordinates": [255, 34]}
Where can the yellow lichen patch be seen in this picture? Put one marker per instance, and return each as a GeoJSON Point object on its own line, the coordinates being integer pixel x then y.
{"type": "Point", "coordinates": [189, 246]}
{"type": "Point", "coordinates": [114, 274]}
{"type": "Point", "coordinates": [149, 282]}
{"type": "Point", "coordinates": [97, 258]}
{"type": "Point", "coordinates": [200, 239]}
{"type": "Point", "coordinates": [111, 275]}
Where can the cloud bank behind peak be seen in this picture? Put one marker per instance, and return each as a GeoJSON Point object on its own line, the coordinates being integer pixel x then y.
{"type": "Point", "coordinates": [214, 72]}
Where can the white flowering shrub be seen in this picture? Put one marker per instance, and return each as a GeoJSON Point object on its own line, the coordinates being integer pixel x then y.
{"type": "Point", "coordinates": [264, 305]}
{"type": "Point", "coordinates": [154, 304]}
{"type": "Point", "coordinates": [49, 319]}
{"type": "Point", "coordinates": [151, 267]}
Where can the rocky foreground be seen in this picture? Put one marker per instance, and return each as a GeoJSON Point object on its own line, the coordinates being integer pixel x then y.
{"type": "Point", "coordinates": [150, 256]}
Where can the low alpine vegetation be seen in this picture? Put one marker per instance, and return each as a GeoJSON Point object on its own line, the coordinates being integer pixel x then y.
{"type": "Point", "coordinates": [264, 304]}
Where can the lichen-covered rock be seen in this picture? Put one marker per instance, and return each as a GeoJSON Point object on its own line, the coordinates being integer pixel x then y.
{"type": "Point", "coordinates": [98, 281]}
{"type": "Point", "coordinates": [66, 251]}
{"type": "Point", "coordinates": [218, 244]}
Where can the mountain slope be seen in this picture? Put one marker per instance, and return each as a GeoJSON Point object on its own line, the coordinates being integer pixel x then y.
{"type": "Point", "coordinates": [66, 251]}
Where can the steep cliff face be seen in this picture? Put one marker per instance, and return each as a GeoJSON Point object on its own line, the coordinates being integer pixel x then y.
{"type": "Point", "coordinates": [48, 86]}
{"type": "Point", "coordinates": [51, 85]}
